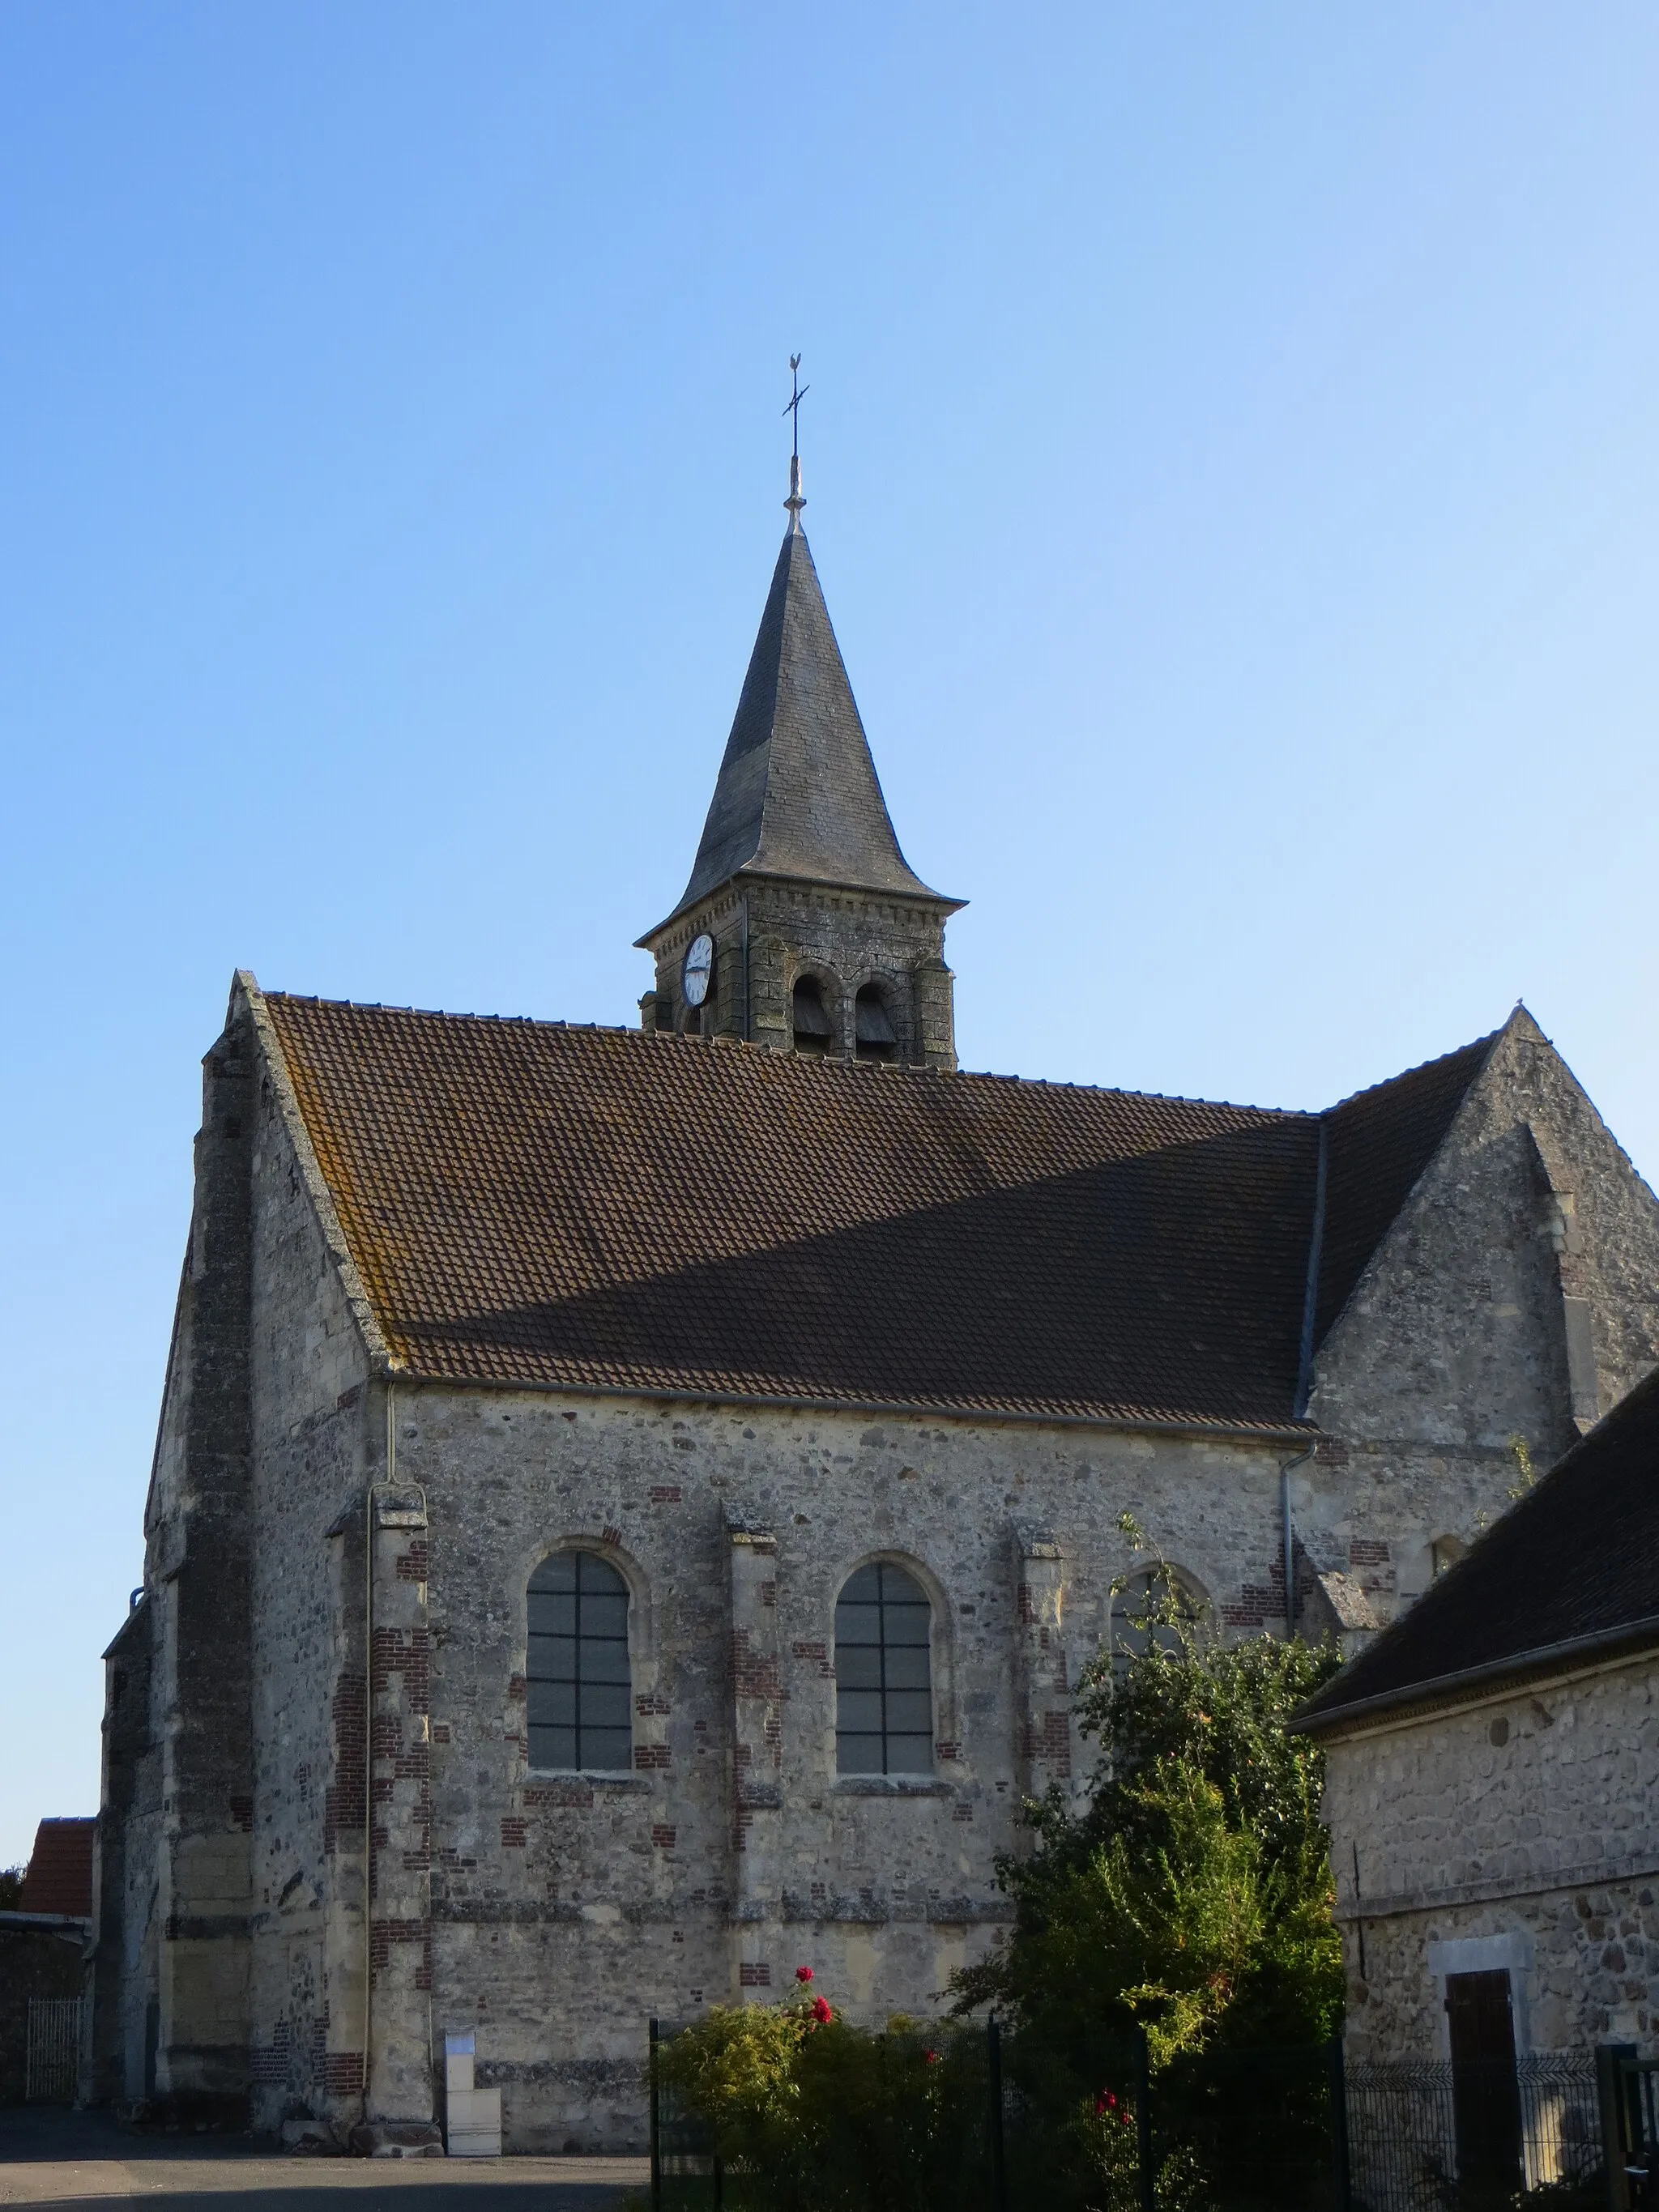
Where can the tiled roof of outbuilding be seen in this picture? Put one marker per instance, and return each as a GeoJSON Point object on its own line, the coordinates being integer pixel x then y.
{"type": "Point", "coordinates": [530, 1203]}
{"type": "Point", "coordinates": [58, 1876]}
{"type": "Point", "coordinates": [1573, 1565]}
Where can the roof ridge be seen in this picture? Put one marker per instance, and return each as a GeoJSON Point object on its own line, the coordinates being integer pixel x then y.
{"type": "Point", "coordinates": [837, 1064]}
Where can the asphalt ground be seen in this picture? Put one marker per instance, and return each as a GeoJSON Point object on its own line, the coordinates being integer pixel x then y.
{"type": "Point", "coordinates": [51, 2156]}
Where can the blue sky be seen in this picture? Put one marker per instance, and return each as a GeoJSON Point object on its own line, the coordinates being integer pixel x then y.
{"type": "Point", "coordinates": [1232, 470]}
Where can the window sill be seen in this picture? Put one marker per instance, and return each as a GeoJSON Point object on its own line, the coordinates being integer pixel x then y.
{"type": "Point", "coordinates": [891, 1785]}
{"type": "Point", "coordinates": [590, 1777]}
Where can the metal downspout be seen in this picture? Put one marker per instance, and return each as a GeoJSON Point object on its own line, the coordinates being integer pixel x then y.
{"type": "Point", "coordinates": [369, 1722]}
{"type": "Point", "coordinates": [1304, 1368]}
{"type": "Point", "coordinates": [1316, 1256]}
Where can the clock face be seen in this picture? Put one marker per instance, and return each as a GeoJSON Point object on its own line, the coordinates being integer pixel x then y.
{"type": "Point", "coordinates": [699, 967]}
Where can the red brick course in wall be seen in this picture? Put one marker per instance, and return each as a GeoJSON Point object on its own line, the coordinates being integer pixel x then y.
{"type": "Point", "coordinates": [343, 2073]}
{"type": "Point", "coordinates": [1050, 1740]}
{"type": "Point", "coordinates": [406, 1652]}
{"type": "Point", "coordinates": [344, 1802]}
{"type": "Point", "coordinates": [383, 1934]}
{"type": "Point", "coordinates": [753, 1675]}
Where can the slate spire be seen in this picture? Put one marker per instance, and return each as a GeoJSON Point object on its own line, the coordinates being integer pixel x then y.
{"type": "Point", "coordinates": [797, 795]}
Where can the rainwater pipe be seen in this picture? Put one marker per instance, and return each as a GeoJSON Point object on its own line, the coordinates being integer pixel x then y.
{"type": "Point", "coordinates": [386, 1483]}
{"type": "Point", "coordinates": [1304, 1368]}
{"type": "Point", "coordinates": [1287, 1470]}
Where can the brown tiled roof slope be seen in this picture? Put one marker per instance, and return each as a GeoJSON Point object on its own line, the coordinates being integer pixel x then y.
{"type": "Point", "coordinates": [532, 1203]}
{"type": "Point", "coordinates": [1379, 1143]}
{"type": "Point", "coordinates": [1576, 1563]}
{"type": "Point", "coordinates": [529, 1203]}
{"type": "Point", "coordinates": [58, 1876]}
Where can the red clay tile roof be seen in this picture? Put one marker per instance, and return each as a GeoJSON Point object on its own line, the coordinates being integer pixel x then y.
{"type": "Point", "coordinates": [528, 1203]}
{"type": "Point", "coordinates": [58, 1876]}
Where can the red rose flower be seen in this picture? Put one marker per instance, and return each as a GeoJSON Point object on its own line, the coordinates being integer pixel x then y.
{"type": "Point", "coordinates": [931, 2057]}
{"type": "Point", "coordinates": [803, 1973]}
{"type": "Point", "coordinates": [822, 2011]}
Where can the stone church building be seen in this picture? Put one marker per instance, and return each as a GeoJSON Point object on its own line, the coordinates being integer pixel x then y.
{"type": "Point", "coordinates": [630, 1507]}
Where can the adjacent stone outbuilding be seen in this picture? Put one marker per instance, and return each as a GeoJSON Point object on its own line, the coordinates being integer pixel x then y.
{"type": "Point", "coordinates": [1492, 1785]}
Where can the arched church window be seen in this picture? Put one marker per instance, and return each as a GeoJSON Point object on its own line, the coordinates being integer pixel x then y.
{"type": "Point", "coordinates": [580, 1694]}
{"type": "Point", "coordinates": [813, 1030]}
{"type": "Point", "coordinates": [874, 1036]}
{"type": "Point", "coordinates": [1160, 1609]}
{"type": "Point", "coordinates": [884, 1673]}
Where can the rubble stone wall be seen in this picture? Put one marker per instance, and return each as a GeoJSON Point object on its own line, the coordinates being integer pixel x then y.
{"type": "Point", "coordinates": [569, 1908]}
{"type": "Point", "coordinates": [1528, 1824]}
{"type": "Point", "coordinates": [316, 1423]}
{"type": "Point", "coordinates": [1530, 1238]}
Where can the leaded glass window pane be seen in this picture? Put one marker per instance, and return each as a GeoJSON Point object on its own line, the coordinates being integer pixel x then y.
{"type": "Point", "coordinates": [883, 1682]}
{"type": "Point", "coordinates": [580, 1692]}
{"type": "Point", "coordinates": [1155, 1611]}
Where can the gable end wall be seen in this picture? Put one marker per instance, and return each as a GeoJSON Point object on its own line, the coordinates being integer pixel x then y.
{"type": "Point", "coordinates": [1460, 1333]}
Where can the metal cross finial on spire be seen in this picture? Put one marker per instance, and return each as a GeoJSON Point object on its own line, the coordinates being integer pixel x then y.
{"type": "Point", "coordinates": [796, 498]}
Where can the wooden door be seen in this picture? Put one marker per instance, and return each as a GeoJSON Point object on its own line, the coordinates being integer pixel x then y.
{"type": "Point", "coordinates": [1486, 2093]}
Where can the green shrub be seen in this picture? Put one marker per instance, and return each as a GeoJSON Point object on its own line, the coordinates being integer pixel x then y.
{"type": "Point", "coordinates": [807, 2113]}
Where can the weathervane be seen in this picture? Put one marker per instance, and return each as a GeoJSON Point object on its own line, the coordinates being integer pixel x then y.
{"type": "Point", "coordinates": [796, 498]}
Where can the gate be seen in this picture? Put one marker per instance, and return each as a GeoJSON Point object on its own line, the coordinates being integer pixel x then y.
{"type": "Point", "coordinates": [52, 2075]}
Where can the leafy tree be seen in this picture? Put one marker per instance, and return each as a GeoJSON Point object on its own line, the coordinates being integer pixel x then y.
{"type": "Point", "coordinates": [1191, 1895]}
{"type": "Point", "coordinates": [11, 1888]}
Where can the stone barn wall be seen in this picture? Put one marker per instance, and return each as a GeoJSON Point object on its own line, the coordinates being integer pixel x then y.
{"type": "Point", "coordinates": [1524, 1831]}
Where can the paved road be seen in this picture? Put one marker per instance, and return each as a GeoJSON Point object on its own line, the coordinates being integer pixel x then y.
{"type": "Point", "coordinates": [65, 2158]}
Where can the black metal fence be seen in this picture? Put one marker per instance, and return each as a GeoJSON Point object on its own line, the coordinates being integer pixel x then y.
{"type": "Point", "coordinates": [1423, 2135]}
{"type": "Point", "coordinates": [972, 2119]}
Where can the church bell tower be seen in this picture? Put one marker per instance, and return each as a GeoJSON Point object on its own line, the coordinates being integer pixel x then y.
{"type": "Point", "coordinates": [803, 929]}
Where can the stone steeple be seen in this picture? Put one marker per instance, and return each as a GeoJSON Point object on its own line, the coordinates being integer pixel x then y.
{"type": "Point", "coordinates": [824, 939]}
